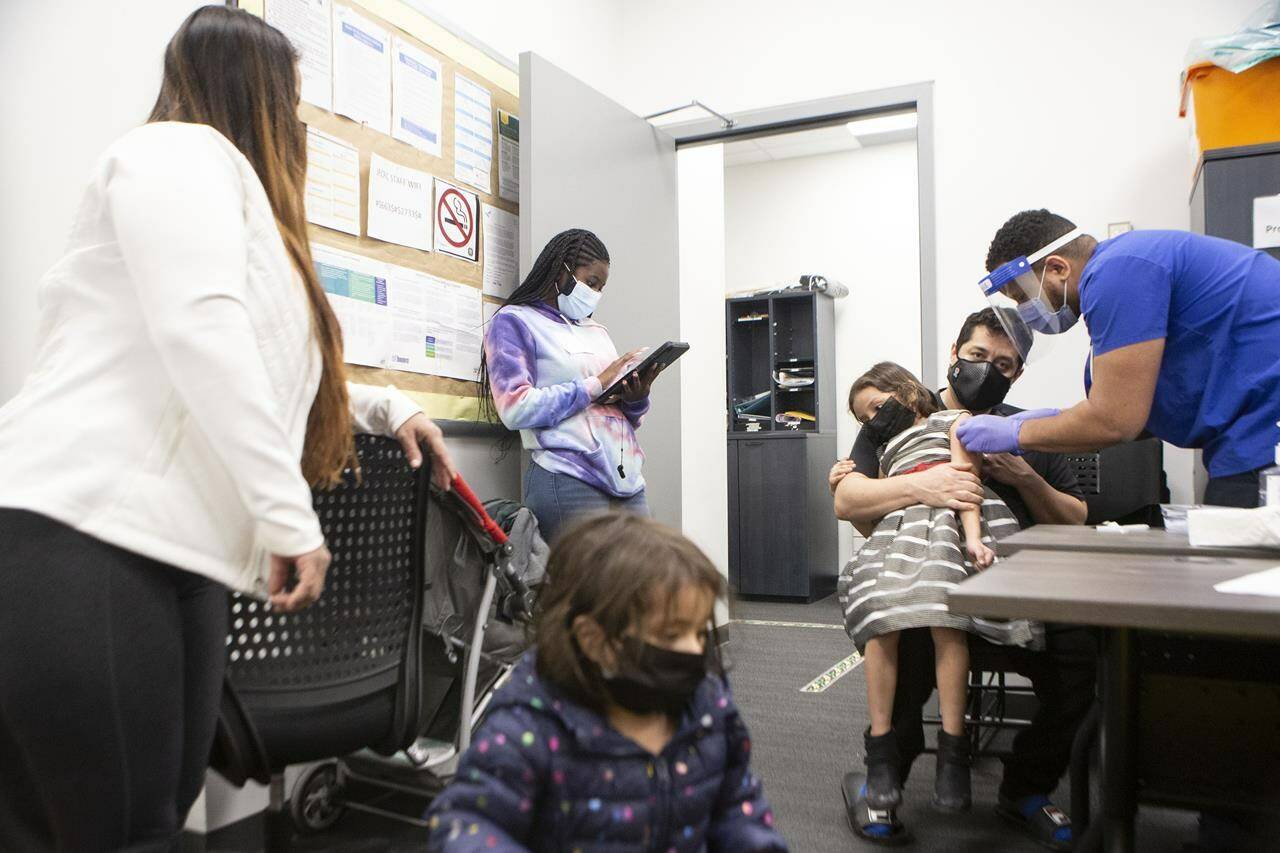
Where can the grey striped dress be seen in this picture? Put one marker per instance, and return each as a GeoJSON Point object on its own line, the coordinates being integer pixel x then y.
{"type": "Point", "coordinates": [900, 577]}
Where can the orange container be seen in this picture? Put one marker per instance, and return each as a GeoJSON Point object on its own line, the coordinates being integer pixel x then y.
{"type": "Point", "coordinates": [1233, 109]}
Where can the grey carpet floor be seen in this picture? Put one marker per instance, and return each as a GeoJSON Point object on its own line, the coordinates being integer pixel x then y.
{"type": "Point", "coordinates": [804, 743]}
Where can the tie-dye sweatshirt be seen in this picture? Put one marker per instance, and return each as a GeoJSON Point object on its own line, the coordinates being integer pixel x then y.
{"type": "Point", "coordinates": [544, 371]}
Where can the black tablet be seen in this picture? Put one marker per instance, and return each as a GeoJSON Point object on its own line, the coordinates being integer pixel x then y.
{"type": "Point", "coordinates": [662, 358]}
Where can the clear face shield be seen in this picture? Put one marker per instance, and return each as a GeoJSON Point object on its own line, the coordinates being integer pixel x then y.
{"type": "Point", "coordinates": [1016, 292]}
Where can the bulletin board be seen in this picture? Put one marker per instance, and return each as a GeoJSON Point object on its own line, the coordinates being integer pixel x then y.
{"type": "Point", "coordinates": [440, 397]}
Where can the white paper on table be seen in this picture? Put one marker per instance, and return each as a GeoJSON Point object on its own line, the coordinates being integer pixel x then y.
{"type": "Point", "coordinates": [435, 325]}
{"type": "Point", "coordinates": [308, 24]}
{"type": "Point", "coordinates": [1266, 222]}
{"type": "Point", "coordinates": [399, 204]}
{"type": "Point", "coordinates": [472, 133]}
{"type": "Point", "coordinates": [357, 290]}
{"type": "Point", "coordinates": [361, 70]}
{"type": "Point", "coordinates": [456, 221]}
{"type": "Point", "coordinates": [508, 156]}
{"type": "Point", "coordinates": [333, 183]}
{"type": "Point", "coordinates": [417, 95]}
{"type": "Point", "coordinates": [1266, 582]}
{"type": "Point", "coordinates": [501, 250]}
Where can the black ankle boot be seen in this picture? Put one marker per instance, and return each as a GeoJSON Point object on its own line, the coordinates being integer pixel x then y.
{"type": "Point", "coordinates": [951, 791]}
{"type": "Point", "coordinates": [884, 786]}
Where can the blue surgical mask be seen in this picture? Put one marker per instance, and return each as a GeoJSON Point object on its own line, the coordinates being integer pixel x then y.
{"type": "Point", "coordinates": [1042, 317]}
{"type": "Point", "coordinates": [580, 302]}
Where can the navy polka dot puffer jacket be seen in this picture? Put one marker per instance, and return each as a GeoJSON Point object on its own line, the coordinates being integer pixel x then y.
{"type": "Point", "coordinates": [545, 774]}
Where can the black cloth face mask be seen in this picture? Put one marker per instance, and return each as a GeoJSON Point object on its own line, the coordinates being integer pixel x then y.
{"type": "Point", "coordinates": [656, 679]}
{"type": "Point", "coordinates": [892, 419]}
{"type": "Point", "coordinates": [977, 384]}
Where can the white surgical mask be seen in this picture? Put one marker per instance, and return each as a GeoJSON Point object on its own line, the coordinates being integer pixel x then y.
{"type": "Point", "coordinates": [580, 302]}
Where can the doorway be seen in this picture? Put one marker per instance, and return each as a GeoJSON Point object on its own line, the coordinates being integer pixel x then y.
{"type": "Point", "coordinates": [841, 195]}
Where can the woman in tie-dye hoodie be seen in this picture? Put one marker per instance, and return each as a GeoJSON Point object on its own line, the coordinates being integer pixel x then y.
{"type": "Point", "coordinates": [546, 363]}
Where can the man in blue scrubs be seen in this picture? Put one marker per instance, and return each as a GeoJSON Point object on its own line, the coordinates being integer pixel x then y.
{"type": "Point", "coordinates": [1185, 334]}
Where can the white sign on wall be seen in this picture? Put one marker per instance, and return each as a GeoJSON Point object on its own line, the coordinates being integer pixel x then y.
{"type": "Point", "coordinates": [1266, 222]}
{"type": "Point", "coordinates": [399, 204]}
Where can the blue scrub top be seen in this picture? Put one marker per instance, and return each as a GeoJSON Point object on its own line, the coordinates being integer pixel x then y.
{"type": "Point", "coordinates": [1217, 305]}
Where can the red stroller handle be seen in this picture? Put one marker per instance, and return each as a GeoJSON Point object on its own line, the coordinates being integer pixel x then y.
{"type": "Point", "coordinates": [490, 526]}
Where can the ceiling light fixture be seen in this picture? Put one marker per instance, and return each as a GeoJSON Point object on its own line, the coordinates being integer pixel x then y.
{"type": "Point", "coordinates": [882, 124]}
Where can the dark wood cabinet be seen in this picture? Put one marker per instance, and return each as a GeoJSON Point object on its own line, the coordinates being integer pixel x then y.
{"type": "Point", "coordinates": [782, 531]}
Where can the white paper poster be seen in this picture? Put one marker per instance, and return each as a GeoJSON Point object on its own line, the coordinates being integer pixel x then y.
{"type": "Point", "coordinates": [361, 70]}
{"type": "Point", "coordinates": [333, 183]}
{"type": "Point", "coordinates": [435, 325]}
{"type": "Point", "coordinates": [417, 95]}
{"type": "Point", "coordinates": [308, 25]}
{"type": "Point", "coordinates": [357, 290]}
{"type": "Point", "coordinates": [399, 204]}
{"type": "Point", "coordinates": [508, 156]}
{"type": "Point", "coordinates": [490, 308]}
{"type": "Point", "coordinates": [472, 133]}
{"type": "Point", "coordinates": [456, 221]}
{"type": "Point", "coordinates": [1266, 222]}
{"type": "Point", "coordinates": [501, 250]}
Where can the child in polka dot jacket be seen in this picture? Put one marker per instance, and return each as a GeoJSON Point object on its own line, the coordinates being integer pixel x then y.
{"type": "Point", "coordinates": [618, 732]}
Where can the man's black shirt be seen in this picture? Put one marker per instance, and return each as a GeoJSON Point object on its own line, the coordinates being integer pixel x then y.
{"type": "Point", "coordinates": [1053, 467]}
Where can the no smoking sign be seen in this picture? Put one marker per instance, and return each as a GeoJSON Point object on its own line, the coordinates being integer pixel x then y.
{"type": "Point", "coordinates": [456, 221]}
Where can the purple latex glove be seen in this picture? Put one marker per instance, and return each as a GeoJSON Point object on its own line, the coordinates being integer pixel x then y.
{"type": "Point", "coordinates": [994, 434]}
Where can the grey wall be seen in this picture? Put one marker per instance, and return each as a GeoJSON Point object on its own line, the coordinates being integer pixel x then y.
{"type": "Point", "coordinates": [587, 162]}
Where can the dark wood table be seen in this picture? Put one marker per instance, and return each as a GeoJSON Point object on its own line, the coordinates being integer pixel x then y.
{"type": "Point", "coordinates": [1165, 589]}
{"type": "Point", "coordinates": [1077, 539]}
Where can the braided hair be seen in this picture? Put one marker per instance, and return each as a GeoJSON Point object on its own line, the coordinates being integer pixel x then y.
{"type": "Point", "coordinates": [573, 248]}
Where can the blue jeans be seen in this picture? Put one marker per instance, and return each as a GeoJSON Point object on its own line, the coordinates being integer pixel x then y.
{"type": "Point", "coordinates": [556, 499]}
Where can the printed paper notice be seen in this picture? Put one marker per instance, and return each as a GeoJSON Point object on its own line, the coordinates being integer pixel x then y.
{"type": "Point", "coordinates": [472, 133]}
{"type": "Point", "coordinates": [361, 70]}
{"type": "Point", "coordinates": [357, 290]}
{"type": "Point", "coordinates": [333, 183]}
{"type": "Point", "coordinates": [1266, 222]}
{"type": "Point", "coordinates": [436, 325]}
{"type": "Point", "coordinates": [456, 225]}
{"type": "Point", "coordinates": [490, 308]}
{"type": "Point", "coordinates": [399, 204]}
{"type": "Point", "coordinates": [501, 240]}
{"type": "Point", "coordinates": [307, 24]}
{"type": "Point", "coordinates": [508, 156]}
{"type": "Point", "coordinates": [417, 93]}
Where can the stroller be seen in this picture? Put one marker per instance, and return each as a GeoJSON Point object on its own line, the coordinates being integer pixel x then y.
{"type": "Point", "coordinates": [421, 620]}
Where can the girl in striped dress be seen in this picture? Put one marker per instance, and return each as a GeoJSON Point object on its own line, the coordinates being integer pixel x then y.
{"type": "Point", "coordinates": [902, 575]}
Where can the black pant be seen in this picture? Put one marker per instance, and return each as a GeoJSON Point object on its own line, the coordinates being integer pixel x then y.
{"type": "Point", "coordinates": [1238, 490]}
{"type": "Point", "coordinates": [110, 670]}
{"type": "Point", "coordinates": [1062, 676]}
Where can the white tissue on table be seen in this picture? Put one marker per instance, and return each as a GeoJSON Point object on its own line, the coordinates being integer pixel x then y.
{"type": "Point", "coordinates": [1241, 527]}
{"type": "Point", "coordinates": [1266, 582]}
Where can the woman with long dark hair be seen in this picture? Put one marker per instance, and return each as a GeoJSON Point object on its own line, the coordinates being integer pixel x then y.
{"type": "Point", "coordinates": [546, 363]}
{"type": "Point", "coordinates": [189, 389]}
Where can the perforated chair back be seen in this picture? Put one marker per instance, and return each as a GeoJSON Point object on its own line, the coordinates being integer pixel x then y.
{"type": "Point", "coordinates": [1122, 481]}
{"type": "Point", "coordinates": [344, 674]}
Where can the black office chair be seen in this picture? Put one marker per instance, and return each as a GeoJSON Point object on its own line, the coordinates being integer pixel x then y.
{"type": "Point", "coordinates": [1124, 483]}
{"type": "Point", "coordinates": [344, 674]}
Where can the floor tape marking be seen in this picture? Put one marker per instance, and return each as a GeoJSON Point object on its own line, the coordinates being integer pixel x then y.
{"type": "Point", "coordinates": [834, 673]}
{"type": "Point", "coordinates": [773, 624]}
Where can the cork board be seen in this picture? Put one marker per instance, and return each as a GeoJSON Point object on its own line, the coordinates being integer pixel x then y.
{"type": "Point", "coordinates": [439, 396]}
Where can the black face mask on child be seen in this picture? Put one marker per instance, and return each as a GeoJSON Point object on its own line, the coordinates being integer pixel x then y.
{"type": "Point", "coordinates": [892, 419]}
{"type": "Point", "coordinates": [656, 679]}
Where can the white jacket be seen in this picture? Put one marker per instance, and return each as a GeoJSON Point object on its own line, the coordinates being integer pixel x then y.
{"type": "Point", "coordinates": [176, 367]}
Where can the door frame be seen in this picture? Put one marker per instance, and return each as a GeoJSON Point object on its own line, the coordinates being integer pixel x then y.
{"type": "Point", "coordinates": [768, 121]}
